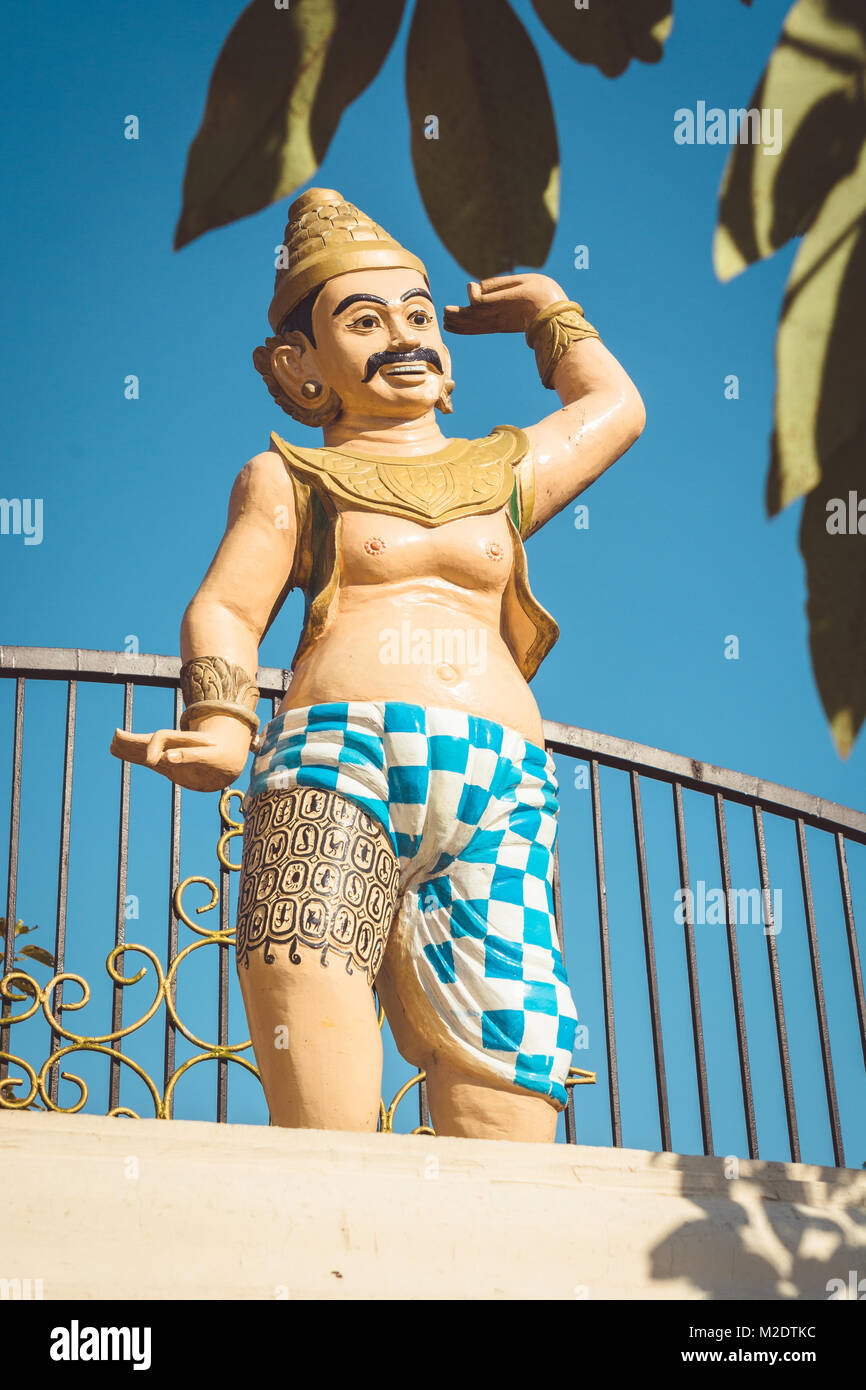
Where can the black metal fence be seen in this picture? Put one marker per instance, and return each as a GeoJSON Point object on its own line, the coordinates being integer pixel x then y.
{"type": "Point", "coordinates": [762, 798]}
{"type": "Point", "coordinates": [38, 1084]}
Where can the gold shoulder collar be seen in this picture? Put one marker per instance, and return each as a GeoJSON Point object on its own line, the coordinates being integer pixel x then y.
{"type": "Point", "coordinates": [466, 478]}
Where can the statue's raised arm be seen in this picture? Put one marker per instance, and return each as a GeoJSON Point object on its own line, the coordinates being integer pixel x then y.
{"type": "Point", "coordinates": [602, 413]}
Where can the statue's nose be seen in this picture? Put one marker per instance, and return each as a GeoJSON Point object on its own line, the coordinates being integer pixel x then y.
{"type": "Point", "coordinates": [404, 339]}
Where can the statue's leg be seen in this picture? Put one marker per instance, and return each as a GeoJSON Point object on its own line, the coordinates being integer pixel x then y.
{"type": "Point", "coordinates": [466, 1098]}
{"type": "Point", "coordinates": [473, 982]}
{"type": "Point", "coordinates": [464, 1106]}
{"type": "Point", "coordinates": [318, 887]}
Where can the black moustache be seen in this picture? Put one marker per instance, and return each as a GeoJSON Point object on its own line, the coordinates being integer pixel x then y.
{"type": "Point", "coordinates": [384, 359]}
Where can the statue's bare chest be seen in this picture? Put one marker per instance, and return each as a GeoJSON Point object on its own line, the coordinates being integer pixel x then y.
{"type": "Point", "coordinates": [474, 552]}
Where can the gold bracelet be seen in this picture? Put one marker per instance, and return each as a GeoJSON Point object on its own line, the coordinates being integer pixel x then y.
{"type": "Point", "coordinates": [552, 332]}
{"type": "Point", "coordinates": [205, 707]}
{"type": "Point", "coordinates": [212, 685]}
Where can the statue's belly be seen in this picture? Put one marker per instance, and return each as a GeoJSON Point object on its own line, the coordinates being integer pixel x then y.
{"type": "Point", "coordinates": [420, 642]}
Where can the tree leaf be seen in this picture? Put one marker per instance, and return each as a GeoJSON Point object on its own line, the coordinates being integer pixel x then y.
{"type": "Point", "coordinates": [819, 445]}
{"type": "Point", "coordinates": [38, 953]}
{"type": "Point", "coordinates": [20, 929]}
{"type": "Point", "coordinates": [278, 90]}
{"type": "Point", "coordinates": [814, 77]}
{"type": "Point", "coordinates": [609, 33]}
{"type": "Point", "coordinates": [836, 604]}
{"type": "Point", "coordinates": [820, 401]}
{"type": "Point", "coordinates": [490, 181]}
{"type": "Point", "coordinates": [28, 989]}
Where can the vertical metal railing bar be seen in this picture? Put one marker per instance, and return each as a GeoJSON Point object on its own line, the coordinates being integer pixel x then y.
{"type": "Point", "coordinates": [818, 986]}
{"type": "Point", "coordinates": [570, 1120]}
{"type": "Point", "coordinates": [171, 943]}
{"type": "Point", "coordinates": [652, 977]}
{"type": "Point", "coordinates": [604, 941]}
{"type": "Point", "coordinates": [223, 1002]}
{"type": "Point", "coordinates": [120, 918]}
{"type": "Point", "coordinates": [736, 979]}
{"type": "Point", "coordinates": [850, 931]}
{"type": "Point", "coordinates": [692, 966]}
{"type": "Point", "coordinates": [776, 984]}
{"type": "Point", "coordinates": [12, 878]}
{"type": "Point", "coordinates": [63, 878]}
{"type": "Point", "coordinates": [423, 1111]}
{"type": "Point", "coordinates": [377, 1005]}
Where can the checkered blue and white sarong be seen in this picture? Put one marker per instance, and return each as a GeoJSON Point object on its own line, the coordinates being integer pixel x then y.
{"type": "Point", "coordinates": [470, 808]}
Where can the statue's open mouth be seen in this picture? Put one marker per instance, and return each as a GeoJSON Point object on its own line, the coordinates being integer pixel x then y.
{"type": "Point", "coordinates": [403, 363]}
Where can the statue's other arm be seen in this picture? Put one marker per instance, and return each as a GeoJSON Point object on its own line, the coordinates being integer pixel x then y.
{"type": "Point", "coordinates": [248, 577]}
{"type": "Point", "coordinates": [602, 412]}
{"type": "Point", "coordinates": [601, 417]}
{"type": "Point", "coordinates": [227, 617]}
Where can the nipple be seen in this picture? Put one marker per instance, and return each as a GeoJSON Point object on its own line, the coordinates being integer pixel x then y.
{"type": "Point", "coordinates": [445, 672]}
{"type": "Point", "coordinates": [493, 550]}
{"type": "Point", "coordinates": [374, 546]}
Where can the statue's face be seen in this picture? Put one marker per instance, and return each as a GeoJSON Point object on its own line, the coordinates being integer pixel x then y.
{"type": "Point", "coordinates": [378, 343]}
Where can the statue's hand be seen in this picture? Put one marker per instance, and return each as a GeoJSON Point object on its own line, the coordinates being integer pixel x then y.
{"type": "Point", "coordinates": [203, 762]}
{"type": "Point", "coordinates": [503, 304]}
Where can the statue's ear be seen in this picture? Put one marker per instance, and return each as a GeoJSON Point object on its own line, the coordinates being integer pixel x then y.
{"type": "Point", "coordinates": [292, 365]}
{"type": "Point", "coordinates": [287, 365]}
{"type": "Point", "coordinates": [444, 401]}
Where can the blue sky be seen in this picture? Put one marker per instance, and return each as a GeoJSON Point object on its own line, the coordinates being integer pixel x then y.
{"type": "Point", "coordinates": [677, 557]}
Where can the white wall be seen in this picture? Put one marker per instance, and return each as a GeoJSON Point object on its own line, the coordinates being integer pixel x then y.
{"type": "Point", "coordinates": [121, 1208]}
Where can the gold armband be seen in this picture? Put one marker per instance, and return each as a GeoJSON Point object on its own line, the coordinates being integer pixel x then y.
{"type": "Point", "coordinates": [552, 332]}
{"type": "Point", "coordinates": [212, 685]}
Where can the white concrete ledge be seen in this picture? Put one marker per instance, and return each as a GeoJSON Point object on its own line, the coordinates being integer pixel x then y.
{"type": "Point", "coordinates": [117, 1208]}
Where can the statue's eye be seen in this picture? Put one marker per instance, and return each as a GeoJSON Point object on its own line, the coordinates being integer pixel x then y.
{"type": "Point", "coordinates": [419, 318]}
{"type": "Point", "coordinates": [366, 321]}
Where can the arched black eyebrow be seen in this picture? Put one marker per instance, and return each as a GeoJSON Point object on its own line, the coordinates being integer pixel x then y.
{"type": "Point", "coordinates": [355, 299]}
{"type": "Point", "coordinates": [377, 299]}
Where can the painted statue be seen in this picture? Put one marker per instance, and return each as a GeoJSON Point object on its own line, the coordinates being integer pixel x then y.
{"type": "Point", "coordinates": [401, 814]}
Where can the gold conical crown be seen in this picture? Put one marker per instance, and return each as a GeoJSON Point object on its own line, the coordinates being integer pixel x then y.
{"type": "Point", "coordinates": [326, 236]}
